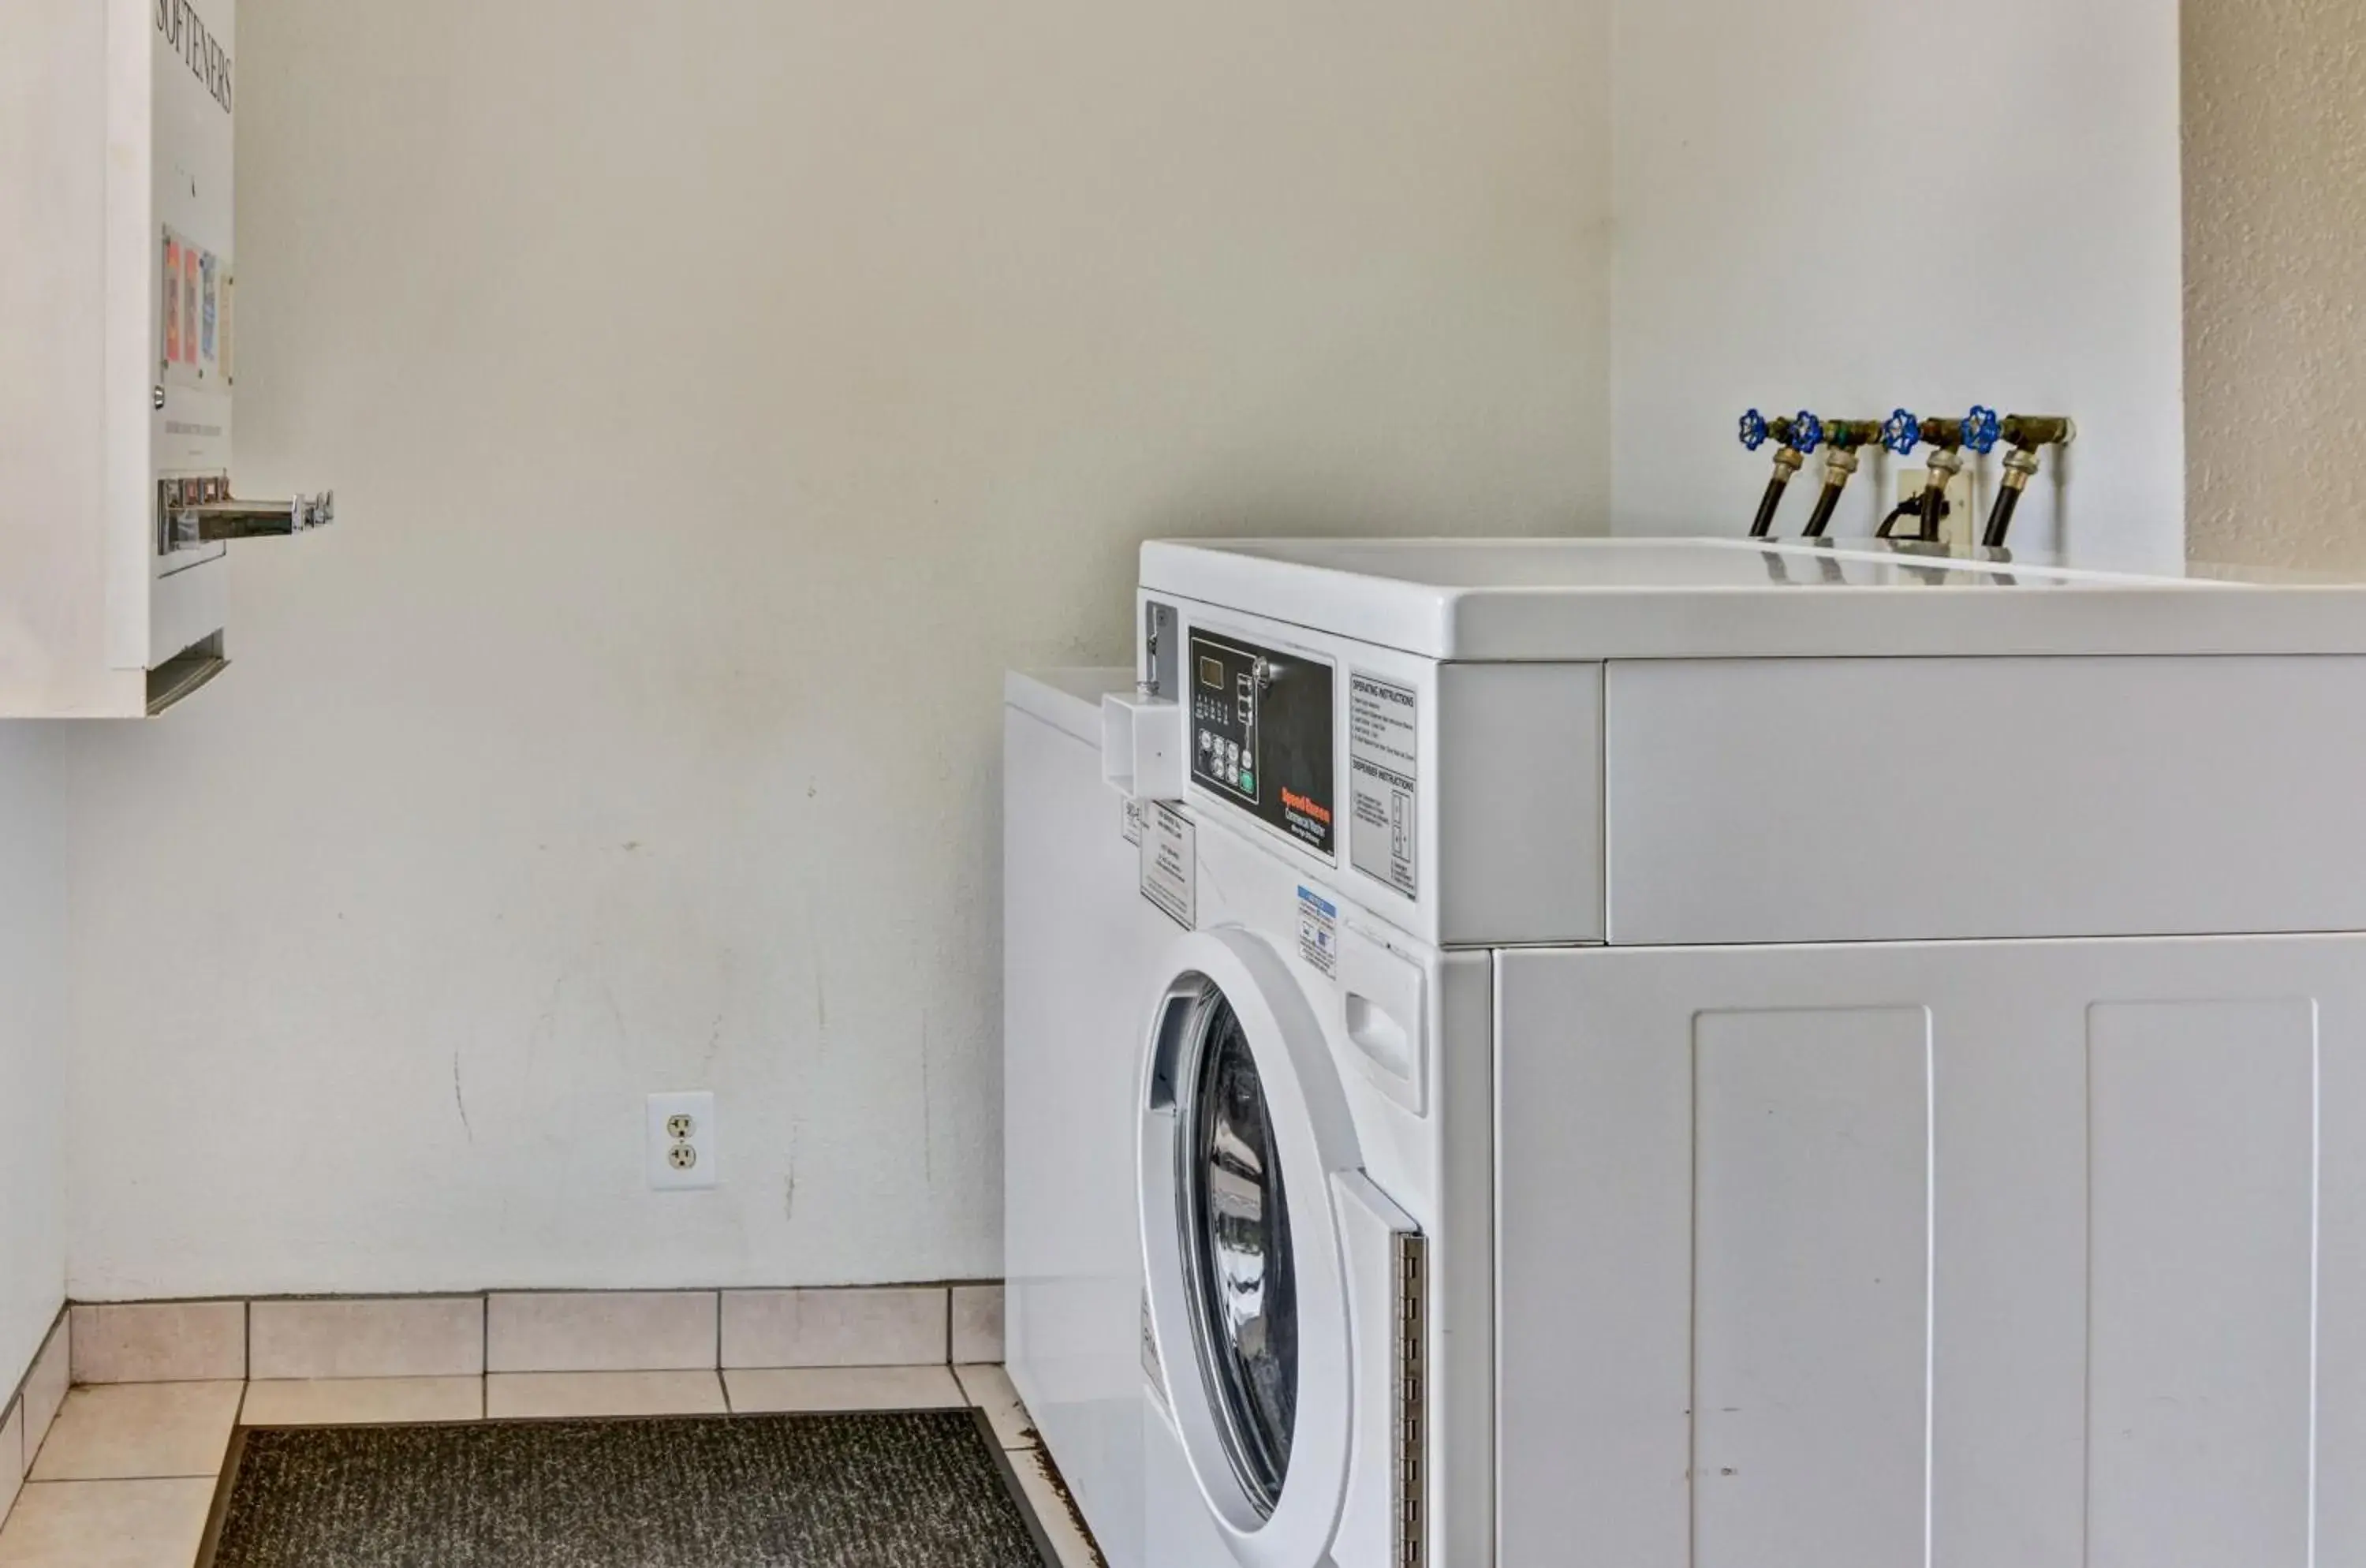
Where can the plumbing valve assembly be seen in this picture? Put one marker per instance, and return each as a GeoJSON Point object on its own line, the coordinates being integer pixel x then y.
{"type": "Point", "coordinates": [1978, 431]}
{"type": "Point", "coordinates": [1756, 429]}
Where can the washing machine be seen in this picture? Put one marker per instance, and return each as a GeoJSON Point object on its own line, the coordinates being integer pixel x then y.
{"type": "Point", "coordinates": [1080, 946]}
{"type": "Point", "coordinates": [1720, 1054]}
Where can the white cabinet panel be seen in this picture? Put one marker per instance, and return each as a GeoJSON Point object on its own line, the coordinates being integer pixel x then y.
{"type": "Point", "coordinates": [1812, 1253]}
{"type": "Point", "coordinates": [1941, 799]}
{"type": "Point", "coordinates": [2201, 1202]}
{"type": "Point", "coordinates": [2143, 1280]}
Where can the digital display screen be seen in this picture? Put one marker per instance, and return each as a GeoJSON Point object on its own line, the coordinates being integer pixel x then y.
{"type": "Point", "coordinates": [1212, 673]}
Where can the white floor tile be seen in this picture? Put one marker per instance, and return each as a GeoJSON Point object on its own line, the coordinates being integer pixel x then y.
{"type": "Point", "coordinates": [140, 1430]}
{"type": "Point", "coordinates": [990, 1389]}
{"type": "Point", "coordinates": [108, 1523]}
{"type": "Point", "coordinates": [779, 1389]}
{"type": "Point", "coordinates": [362, 1402]}
{"type": "Point", "coordinates": [1069, 1541]}
{"type": "Point", "coordinates": [520, 1395]}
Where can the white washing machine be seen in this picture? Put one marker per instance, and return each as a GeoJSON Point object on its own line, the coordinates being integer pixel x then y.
{"type": "Point", "coordinates": [1080, 947]}
{"type": "Point", "coordinates": [1706, 1055]}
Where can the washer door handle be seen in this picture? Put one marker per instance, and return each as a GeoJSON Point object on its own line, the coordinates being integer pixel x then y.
{"type": "Point", "coordinates": [1382, 997]}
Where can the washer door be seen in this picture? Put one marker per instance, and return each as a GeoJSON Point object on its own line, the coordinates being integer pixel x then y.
{"type": "Point", "coordinates": [1243, 1125]}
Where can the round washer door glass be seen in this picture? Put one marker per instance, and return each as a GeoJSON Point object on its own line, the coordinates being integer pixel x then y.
{"type": "Point", "coordinates": [1240, 1280]}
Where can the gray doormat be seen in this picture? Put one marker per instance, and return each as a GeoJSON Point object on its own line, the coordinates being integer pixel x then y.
{"type": "Point", "coordinates": [925, 1489]}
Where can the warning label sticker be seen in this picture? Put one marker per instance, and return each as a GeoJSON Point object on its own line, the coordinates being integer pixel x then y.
{"type": "Point", "coordinates": [1170, 864]}
{"type": "Point", "coordinates": [1383, 768]}
{"type": "Point", "coordinates": [1318, 930]}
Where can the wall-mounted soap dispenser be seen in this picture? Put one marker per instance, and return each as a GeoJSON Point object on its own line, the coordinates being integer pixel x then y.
{"type": "Point", "coordinates": [119, 299]}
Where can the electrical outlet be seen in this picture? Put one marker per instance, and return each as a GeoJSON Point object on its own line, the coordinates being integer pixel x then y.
{"type": "Point", "coordinates": [1959, 530]}
{"type": "Point", "coordinates": [681, 1147]}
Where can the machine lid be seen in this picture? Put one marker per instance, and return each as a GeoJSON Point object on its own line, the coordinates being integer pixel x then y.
{"type": "Point", "coordinates": [1631, 598]}
{"type": "Point", "coordinates": [1069, 700]}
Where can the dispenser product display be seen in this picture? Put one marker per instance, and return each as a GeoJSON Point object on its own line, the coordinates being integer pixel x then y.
{"type": "Point", "coordinates": [1552, 1144]}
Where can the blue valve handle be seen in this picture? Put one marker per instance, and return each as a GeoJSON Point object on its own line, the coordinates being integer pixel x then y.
{"type": "Point", "coordinates": [1753, 430]}
{"type": "Point", "coordinates": [1807, 432]}
{"type": "Point", "coordinates": [1981, 430]}
{"type": "Point", "coordinates": [1902, 433]}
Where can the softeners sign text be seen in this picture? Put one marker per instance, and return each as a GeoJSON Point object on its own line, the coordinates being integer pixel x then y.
{"type": "Point", "coordinates": [186, 33]}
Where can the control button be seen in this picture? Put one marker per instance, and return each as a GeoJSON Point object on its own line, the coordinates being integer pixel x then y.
{"type": "Point", "coordinates": [1248, 781]}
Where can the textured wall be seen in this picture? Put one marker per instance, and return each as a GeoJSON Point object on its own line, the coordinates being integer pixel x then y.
{"type": "Point", "coordinates": [719, 395]}
{"type": "Point", "coordinates": [2275, 181]}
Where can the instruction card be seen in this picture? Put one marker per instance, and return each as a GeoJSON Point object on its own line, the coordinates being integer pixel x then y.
{"type": "Point", "coordinates": [1170, 863]}
{"type": "Point", "coordinates": [1383, 765]}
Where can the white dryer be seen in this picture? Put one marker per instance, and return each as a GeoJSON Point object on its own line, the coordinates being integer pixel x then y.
{"type": "Point", "coordinates": [1747, 1056]}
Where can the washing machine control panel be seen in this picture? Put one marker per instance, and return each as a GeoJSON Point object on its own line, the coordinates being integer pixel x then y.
{"type": "Point", "coordinates": [1261, 734]}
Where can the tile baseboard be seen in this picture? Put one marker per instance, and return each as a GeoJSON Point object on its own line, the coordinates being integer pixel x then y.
{"type": "Point", "coordinates": [469, 1333]}
{"type": "Point", "coordinates": [31, 1408]}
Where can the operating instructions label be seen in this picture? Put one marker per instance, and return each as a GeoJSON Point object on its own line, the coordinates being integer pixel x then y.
{"type": "Point", "coordinates": [1170, 863]}
{"type": "Point", "coordinates": [1383, 770]}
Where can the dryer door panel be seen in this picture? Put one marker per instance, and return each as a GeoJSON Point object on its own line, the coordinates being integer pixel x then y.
{"type": "Point", "coordinates": [2049, 1254]}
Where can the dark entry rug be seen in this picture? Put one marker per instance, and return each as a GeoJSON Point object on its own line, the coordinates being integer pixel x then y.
{"type": "Point", "coordinates": [917, 1490]}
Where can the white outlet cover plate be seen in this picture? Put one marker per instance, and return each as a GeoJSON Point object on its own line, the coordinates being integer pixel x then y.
{"type": "Point", "coordinates": [699, 1106]}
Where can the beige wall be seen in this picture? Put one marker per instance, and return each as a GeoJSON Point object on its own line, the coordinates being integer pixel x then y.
{"type": "Point", "coordinates": [1752, 267]}
{"type": "Point", "coordinates": [2275, 183]}
{"type": "Point", "coordinates": [719, 395]}
{"type": "Point", "coordinates": [33, 1032]}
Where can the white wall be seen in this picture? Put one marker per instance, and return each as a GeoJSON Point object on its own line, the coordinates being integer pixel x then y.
{"type": "Point", "coordinates": [32, 1045]}
{"type": "Point", "coordinates": [2275, 133]}
{"type": "Point", "coordinates": [1777, 169]}
{"type": "Point", "coordinates": [719, 396]}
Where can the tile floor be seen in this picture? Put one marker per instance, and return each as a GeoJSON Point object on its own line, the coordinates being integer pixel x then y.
{"type": "Point", "coordinates": [127, 1473]}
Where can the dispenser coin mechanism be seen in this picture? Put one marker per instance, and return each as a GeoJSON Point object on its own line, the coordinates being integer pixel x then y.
{"type": "Point", "coordinates": [117, 497]}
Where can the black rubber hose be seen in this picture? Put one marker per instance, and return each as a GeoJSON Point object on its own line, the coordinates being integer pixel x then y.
{"type": "Point", "coordinates": [1888, 528]}
{"type": "Point", "coordinates": [1934, 507]}
{"type": "Point", "coordinates": [1821, 518]}
{"type": "Point", "coordinates": [1764, 522]}
{"type": "Point", "coordinates": [2001, 517]}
